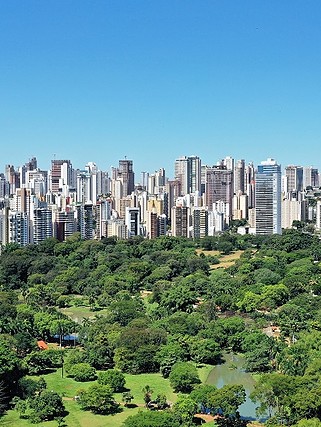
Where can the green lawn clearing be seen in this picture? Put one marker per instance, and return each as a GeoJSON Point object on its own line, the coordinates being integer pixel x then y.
{"type": "Point", "coordinates": [68, 388]}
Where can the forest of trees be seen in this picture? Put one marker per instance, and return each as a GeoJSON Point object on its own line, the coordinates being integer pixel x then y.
{"type": "Point", "coordinates": [166, 309]}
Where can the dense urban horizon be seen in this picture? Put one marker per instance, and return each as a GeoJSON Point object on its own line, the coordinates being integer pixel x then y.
{"type": "Point", "coordinates": [201, 200]}
{"type": "Point", "coordinates": [169, 166]}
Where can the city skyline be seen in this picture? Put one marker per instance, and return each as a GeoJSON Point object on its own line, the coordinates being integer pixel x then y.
{"type": "Point", "coordinates": [201, 201]}
{"type": "Point", "coordinates": [153, 81]}
{"type": "Point", "coordinates": [170, 173]}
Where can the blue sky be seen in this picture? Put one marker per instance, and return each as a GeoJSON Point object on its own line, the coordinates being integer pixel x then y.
{"type": "Point", "coordinates": [154, 80]}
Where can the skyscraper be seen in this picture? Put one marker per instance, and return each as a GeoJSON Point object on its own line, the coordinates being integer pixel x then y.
{"type": "Point", "coordinates": [200, 223]}
{"type": "Point", "coordinates": [132, 221]}
{"type": "Point", "coordinates": [180, 221]}
{"type": "Point", "coordinates": [219, 186]}
{"type": "Point", "coordinates": [294, 178]}
{"type": "Point", "coordinates": [310, 177]}
{"type": "Point", "coordinates": [268, 198]}
{"type": "Point", "coordinates": [239, 177]}
{"type": "Point", "coordinates": [188, 172]}
{"type": "Point", "coordinates": [42, 224]}
{"type": "Point", "coordinates": [127, 176]}
{"type": "Point", "coordinates": [60, 174]}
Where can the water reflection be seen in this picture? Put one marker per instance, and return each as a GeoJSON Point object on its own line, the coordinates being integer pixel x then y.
{"type": "Point", "coordinates": [232, 372]}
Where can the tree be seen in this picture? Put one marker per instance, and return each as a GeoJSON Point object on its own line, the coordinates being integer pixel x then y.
{"type": "Point", "coordinates": [28, 387]}
{"type": "Point", "coordinates": [250, 302]}
{"type": "Point", "coordinates": [72, 357]}
{"type": "Point", "coordinates": [147, 391]}
{"type": "Point", "coordinates": [98, 398]}
{"type": "Point", "coordinates": [183, 377]}
{"type": "Point", "coordinates": [25, 343]}
{"type": "Point", "coordinates": [8, 310]}
{"type": "Point", "coordinates": [273, 392]}
{"type": "Point", "coordinates": [3, 397]}
{"type": "Point", "coordinates": [127, 397]}
{"type": "Point", "coordinates": [179, 298]}
{"type": "Point", "coordinates": [125, 310]}
{"type": "Point", "coordinates": [184, 409]}
{"type": "Point", "coordinates": [38, 362]}
{"type": "Point", "coordinates": [266, 276]}
{"type": "Point", "coordinates": [82, 372]}
{"type": "Point", "coordinates": [62, 327]}
{"type": "Point", "coordinates": [293, 360]}
{"type": "Point", "coordinates": [201, 395]}
{"type": "Point", "coordinates": [161, 401]}
{"type": "Point", "coordinates": [137, 361]}
{"type": "Point", "coordinates": [205, 350]}
{"type": "Point", "coordinates": [46, 406]}
{"type": "Point", "coordinates": [228, 399]}
{"type": "Point", "coordinates": [313, 422]}
{"type": "Point", "coordinates": [225, 247]}
{"type": "Point", "coordinates": [168, 355]}
{"type": "Point", "coordinates": [10, 366]}
{"type": "Point", "coordinates": [115, 379]}
{"type": "Point", "coordinates": [259, 351]}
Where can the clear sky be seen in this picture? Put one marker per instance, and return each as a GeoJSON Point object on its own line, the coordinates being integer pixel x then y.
{"type": "Point", "coordinates": [92, 80]}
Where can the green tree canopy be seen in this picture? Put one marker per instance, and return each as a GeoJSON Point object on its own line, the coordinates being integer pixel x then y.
{"type": "Point", "coordinates": [183, 377]}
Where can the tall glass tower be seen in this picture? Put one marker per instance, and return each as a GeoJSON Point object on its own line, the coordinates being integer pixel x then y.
{"type": "Point", "coordinates": [268, 198]}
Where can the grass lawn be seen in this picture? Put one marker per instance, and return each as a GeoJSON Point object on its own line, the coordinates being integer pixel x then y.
{"type": "Point", "coordinates": [203, 372]}
{"type": "Point", "coordinates": [68, 388]}
{"type": "Point", "coordinates": [156, 382]}
{"type": "Point", "coordinates": [75, 418]}
{"type": "Point", "coordinates": [227, 260]}
{"type": "Point", "coordinates": [83, 312]}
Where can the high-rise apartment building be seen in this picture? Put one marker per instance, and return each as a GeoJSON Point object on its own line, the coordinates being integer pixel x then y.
{"type": "Point", "coordinates": [84, 187]}
{"type": "Point", "coordinates": [180, 221]}
{"type": "Point", "coordinates": [219, 186]}
{"type": "Point", "coordinates": [200, 223]}
{"type": "Point", "coordinates": [268, 198]}
{"type": "Point", "coordinates": [64, 224]}
{"type": "Point", "coordinates": [228, 162]}
{"type": "Point", "coordinates": [188, 172]}
{"type": "Point", "coordinates": [293, 179]}
{"type": "Point", "coordinates": [127, 176]}
{"type": "Point", "coordinates": [19, 228]}
{"type": "Point", "coordinates": [13, 178]}
{"type": "Point", "coordinates": [85, 221]}
{"type": "Point", "coordinates": [292, 210]}
{"type": "Point", "coordinates": [310, 177]}
{"type": "Point", "coordinates": [250, 184]}
{"type": "Point", "coordinates": [239, 177]}
{"type": "Point", "coordinates": [103, 183]}
{"type": "Point", "coordinates": [60, 174]}
{"type": "Point", "coordinates": [42, 224]}
{"type": "Point", "coordinates": [132, 221]}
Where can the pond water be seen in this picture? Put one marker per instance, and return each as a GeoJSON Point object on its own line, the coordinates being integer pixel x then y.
{"type": "Point", "coordinates": [232, 372]}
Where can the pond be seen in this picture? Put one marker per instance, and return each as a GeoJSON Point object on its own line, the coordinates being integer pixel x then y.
{"type": "Point", "coordinates": [232, 372]}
